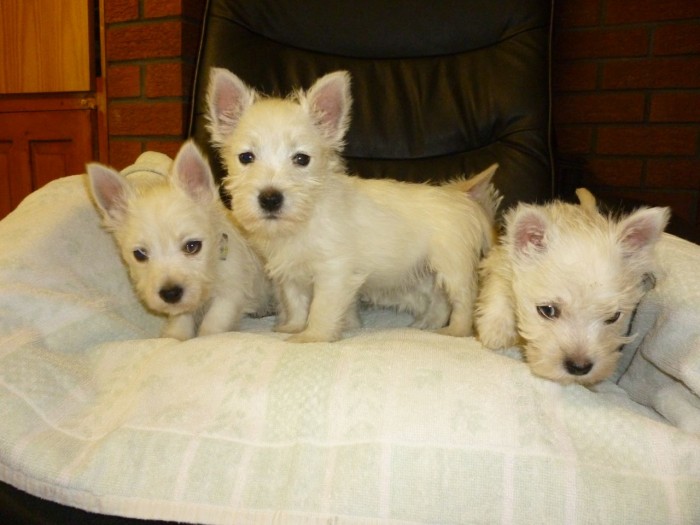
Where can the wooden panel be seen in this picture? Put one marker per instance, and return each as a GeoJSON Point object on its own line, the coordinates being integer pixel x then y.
{"type": "Point", "coordinates": [5, 200]}
{"type": "Point", "coordinates": [45, 45]}
{"type": "Point", "coordinates": [40, 147]}
{"type": "Point", "coordinates": [48, 101]}
{"type": "Point", "coordinates": [50, 160]}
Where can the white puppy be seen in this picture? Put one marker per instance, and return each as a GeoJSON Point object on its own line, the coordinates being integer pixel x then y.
{"type": "Point", "coordinates": [564, 284]}
{"type": "Point", "coordinates": [184, 255]}
{"type": "Point", "coordinates": [329, 238]}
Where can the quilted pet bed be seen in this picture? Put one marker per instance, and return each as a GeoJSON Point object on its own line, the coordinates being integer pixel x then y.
{"type": "Point", "coordinates": [389, 425]}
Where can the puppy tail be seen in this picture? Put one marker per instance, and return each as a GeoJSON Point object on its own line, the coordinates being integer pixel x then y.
{"type": "Point", "coordinates": [587, 200]}
{"type": "Point", "coordinates": [481, 189]}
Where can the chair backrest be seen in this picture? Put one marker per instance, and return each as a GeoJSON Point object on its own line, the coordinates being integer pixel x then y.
{"type": "Point", "coordinates": [439, 88]}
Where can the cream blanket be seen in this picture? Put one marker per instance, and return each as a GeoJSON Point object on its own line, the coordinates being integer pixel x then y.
{"type": "Point", "coordinates": [390, 425]}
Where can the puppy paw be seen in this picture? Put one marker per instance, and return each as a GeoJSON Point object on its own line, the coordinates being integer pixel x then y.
{"type": "Point", "coordinates": [179, 335]}
{"type": "Point", "coordinates": [352, 320]}
{"type": "Point", "coordinates": [211, 328]}
{"type": "Point", "coordinates": [496, 339]}
{"type": "Point", "coordinates": [308, 336]}
{"type": "Point", "coordinates": [289, 328]}
{"type": "Point", "coordinates": [181, 328]}
{"type": "Point", "coordinates": [454, 331]}
{"type": "Point", "coordinates": [496, 326]}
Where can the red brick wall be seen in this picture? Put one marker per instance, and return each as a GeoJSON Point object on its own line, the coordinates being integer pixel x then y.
{"type": "Point", "coordinates": [150, 51]}
{"type": "Point", "coordinates": [626, 79]}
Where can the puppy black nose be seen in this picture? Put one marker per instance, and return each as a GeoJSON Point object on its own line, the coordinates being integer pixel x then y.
{"type": "Point", "coordinates": [172, 294]}
{"type": "Point", "coordinates": [270, 199]}
{"type": "Point", "coordinates": [578, 368]}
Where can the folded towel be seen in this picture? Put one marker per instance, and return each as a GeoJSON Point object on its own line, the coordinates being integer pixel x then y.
{"type": "Point", "coordinates": [664, 373]}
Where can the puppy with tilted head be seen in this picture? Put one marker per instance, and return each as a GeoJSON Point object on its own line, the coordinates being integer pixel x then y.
{"type": "Point", "coordinates": [185, 257]}
{"type": "Point", "coordinates": [330, 239]}
{"type": "Point", "coordinates": [564, 284]}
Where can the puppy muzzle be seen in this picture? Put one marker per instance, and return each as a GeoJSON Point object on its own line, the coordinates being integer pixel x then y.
{"type": "Point", "coordinates": [171, 294]}
{"type": "Point", "coordinates": [270, 201]}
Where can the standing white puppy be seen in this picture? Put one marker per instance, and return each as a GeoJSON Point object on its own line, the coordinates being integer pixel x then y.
{"type": "Point", "coordinates": [329, 237]}
{"type": "Point", "coordinates": [185, 257]}
{"type": "Point", "coordinates": [564, 284]}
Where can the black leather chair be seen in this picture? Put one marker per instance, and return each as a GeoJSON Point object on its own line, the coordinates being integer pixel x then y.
{"type": "Point", "coordinates": [439, 88]}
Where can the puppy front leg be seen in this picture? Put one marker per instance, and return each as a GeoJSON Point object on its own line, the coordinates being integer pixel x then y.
{"type": "Point", "coordinates": [294, 302]}
{"type": "Point", "coordinates": [460, 287]}
{"type": "Point", "coordinates": [436, 314]}
{"type": "Point", "coordinates": [179, 327]}
{"type": "Point", "coordinates": [352, 320]}
{"type": "Point", "coordinates": [495, 318]}
{"type": "Point", "coordinates": [333, 295]}
{"type": "Point", "coordinates": [224, 314]}
{"type": "Point", "coordinates": [461, 317]}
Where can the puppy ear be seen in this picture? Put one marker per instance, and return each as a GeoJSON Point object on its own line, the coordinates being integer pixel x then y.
{"type": "Point", "coordinates": [639, 231]}
{"type": "Point", "coordinates": [329, 101]}
{"type": "Point", "coordinates": [528, 230]}
{"type": "Point", "coordinates": [192, 174]}
{"type": "Point", "coordinates": [227, 98]}
{"type": "Point", "coordinates": [110, 191]}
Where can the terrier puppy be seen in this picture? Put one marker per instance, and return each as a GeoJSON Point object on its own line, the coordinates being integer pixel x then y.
{"type": "Point", "coordinates": [564, 283]}
{"type": "Point", "coordinates": [329, 238]}
{"type": "Point", "coordinates": [186, 259]}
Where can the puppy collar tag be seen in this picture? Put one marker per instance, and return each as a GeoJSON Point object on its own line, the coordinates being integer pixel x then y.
{"type": "Point", "coordinates": [223, 247]}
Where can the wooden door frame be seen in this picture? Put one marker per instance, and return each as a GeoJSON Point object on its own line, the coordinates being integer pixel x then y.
{"type": "Point", "coordinates": [96, 99]}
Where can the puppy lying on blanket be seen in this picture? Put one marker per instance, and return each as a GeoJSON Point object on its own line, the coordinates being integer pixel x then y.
{"type": "Point", "coordinates": [565, 282]}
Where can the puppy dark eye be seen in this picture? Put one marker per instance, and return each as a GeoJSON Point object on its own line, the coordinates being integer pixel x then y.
{"type": "Point", "coordinates": [192, 247]}
{"type": "Point", "coordinates": [613, 319]}
{"type": "Point", "coordinates": [548, 311]}
{"type": "Point", "coordinates": [140, 254]}
{"type": "Point", "coordinates": [246, 157]}
{"type": "Point", "coordinates": [301, 159]}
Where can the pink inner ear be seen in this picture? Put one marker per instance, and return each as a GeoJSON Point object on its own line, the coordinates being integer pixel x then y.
{"type": "Point", "coordinates": [192, 172]}
{"type": "Point", "coordinates": [109, 190]}
{"type": "Point", "coordinates": [328, 104]}
{"type": "Point", "coordinates": [228, 101]}
{"type": "Point", "coordinates": [634, 239]}
{"type": "Point", "coordinates": [640, 229]}
{"type": "Point", "coordinates": [529, 231]}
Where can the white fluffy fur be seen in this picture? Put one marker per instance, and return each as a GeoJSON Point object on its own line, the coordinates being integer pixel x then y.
{"type": "Point", "coordinates": [590, 267]}
{"type": "Point", "coordinates": [335, 237]}
{"type": "Point", "coordinates": [167, 217]}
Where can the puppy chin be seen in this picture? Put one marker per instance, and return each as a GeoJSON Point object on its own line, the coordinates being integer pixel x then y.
{"type": "Point", "coordinates": [271, 225]}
